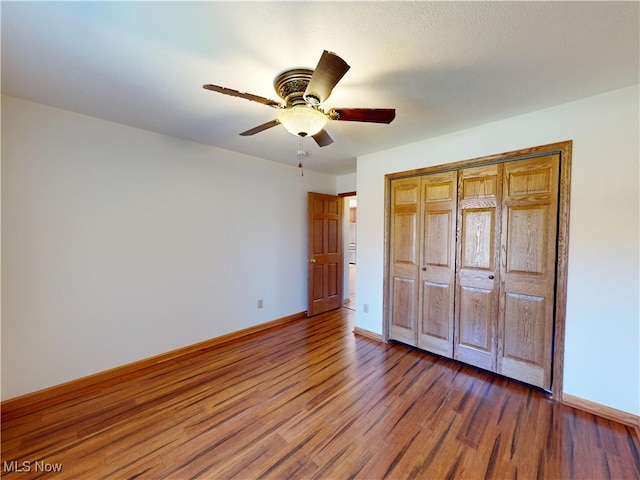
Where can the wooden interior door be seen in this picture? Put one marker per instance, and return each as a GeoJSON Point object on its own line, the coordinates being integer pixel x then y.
{"type": "Point", "coordinates": [477, 288]}
{"type": "Point", "coordinates": [527, 270]}
{"type": "Point", "coordinates": [403, 259]}
{"type": "Point", "coordinates": [324, 273]}
{"type": "Point", "coordinates": [438, 262]}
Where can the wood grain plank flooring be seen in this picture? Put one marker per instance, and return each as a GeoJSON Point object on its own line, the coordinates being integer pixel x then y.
{"type": "Point", "coordinates": [310, 400]}
{"type": "Point", "coordinates": [350, 302]}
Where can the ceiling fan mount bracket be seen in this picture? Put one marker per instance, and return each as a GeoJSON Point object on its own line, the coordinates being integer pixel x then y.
{"type": "Point", "coordinates": [333, 115]}
{"type": "Point", "coordinates": [312, 100]}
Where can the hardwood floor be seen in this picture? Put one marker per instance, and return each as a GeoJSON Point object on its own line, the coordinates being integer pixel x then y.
{"type": "Point", "coordinates": [350, 302]}
{"type": "Point", "coordinates": [312, 400]}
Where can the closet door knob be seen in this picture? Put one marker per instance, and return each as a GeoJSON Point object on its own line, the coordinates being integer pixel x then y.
{"type": "Point", "coordinates": [491, 277]}
{"type": "Point", "coordinates": [424, 269]}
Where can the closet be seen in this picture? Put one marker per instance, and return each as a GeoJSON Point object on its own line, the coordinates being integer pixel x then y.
{"type": "Point", "coordinates": [472, 261]}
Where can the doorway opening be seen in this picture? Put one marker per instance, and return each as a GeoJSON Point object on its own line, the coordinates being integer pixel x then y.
{"type": "Point", "coordinates": [349, 230]}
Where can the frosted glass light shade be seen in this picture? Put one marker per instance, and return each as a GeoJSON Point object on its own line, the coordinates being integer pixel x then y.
{"type": "Point", "coordinates": [302, 120]}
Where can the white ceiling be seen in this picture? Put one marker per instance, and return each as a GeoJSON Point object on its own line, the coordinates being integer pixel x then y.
{"type": "Point", "coordinates": [444, 66]}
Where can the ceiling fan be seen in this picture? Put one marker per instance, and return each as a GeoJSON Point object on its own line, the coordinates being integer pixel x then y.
{"type": "Point", "coordinates": [302, 91]}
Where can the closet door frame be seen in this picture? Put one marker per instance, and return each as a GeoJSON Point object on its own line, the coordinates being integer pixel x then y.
{"type": "Point", "coordinates": [564, 149]}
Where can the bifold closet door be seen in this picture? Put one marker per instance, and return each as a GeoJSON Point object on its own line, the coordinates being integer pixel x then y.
{"type": "Point", "coordinates": [472, 263]}
{"type": "Point", "coordinates": [527, 270]}
{"type": "Point", "coordinates": [477, 288]}
{"type": "Point", "coordinates": [437, 262]}
{"type": "Point", "coordinates": [403, 259]}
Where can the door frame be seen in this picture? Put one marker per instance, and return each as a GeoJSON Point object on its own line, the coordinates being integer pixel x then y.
{"type": "Point", "coordinates": [346, 276]}
{"type": "Point", "coordinates": [562, 262]}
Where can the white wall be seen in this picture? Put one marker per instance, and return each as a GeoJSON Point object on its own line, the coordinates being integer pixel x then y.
{"type": "Point", "coordinates": [346, 183]}
{"type": "Point", "coordinates": [602, 357]}
{"type": "Point", "coordinates": [119, 244]}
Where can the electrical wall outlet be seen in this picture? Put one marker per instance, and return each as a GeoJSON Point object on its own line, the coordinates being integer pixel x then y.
{"type": "Point", "coordinates": [260, 303]}
{"type": "Point", "coordinates": [365, 307]}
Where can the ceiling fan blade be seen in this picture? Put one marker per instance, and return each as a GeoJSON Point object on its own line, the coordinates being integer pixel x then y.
{"type": "Point", "coordinates": [330, 69]}
{"type": "Point", "coordinates": [261, 128]}
{"type": "Point", "coordinates": [374, 115]}
{"type": "Point", "coordinates": [248, 96]}
{"type": "Point", "coordinates": [322, 138]}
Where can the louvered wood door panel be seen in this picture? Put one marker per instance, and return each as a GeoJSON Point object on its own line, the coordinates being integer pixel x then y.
{"type": "Point", "coordinates": [438, 253]}
{"type": "Point", "coordinates": [527, 270]}
{"type": "Point", "coordinates": [477, 288]}
{"type": "Point", "coordinates": [403, 259]}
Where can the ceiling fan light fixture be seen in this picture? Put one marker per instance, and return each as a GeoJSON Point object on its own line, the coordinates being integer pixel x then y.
{"type": "Point", "coordinates": [302, 120]}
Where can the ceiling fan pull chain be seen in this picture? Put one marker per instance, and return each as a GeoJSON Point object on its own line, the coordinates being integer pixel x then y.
{"type": "Point", "coordinates": [300, 154]}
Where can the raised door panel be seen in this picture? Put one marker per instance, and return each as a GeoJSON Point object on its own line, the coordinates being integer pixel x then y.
{"type": "Point", "coordinates": [437, 259]}
{"type": "Point", "coordinates": [477, 287]}
{"type": "Point", "coordinates": [403, 313]}
{"type": "Point", "coordinates": [476, 328]}
{"type": "Point", "coordinates": [317, 236]}
{"type": "Point", "coordinates": [403, 259]}
{"type": "Point", "coordinates": [404, 252]}
{"type": "Point", "coordinates": [527, 298]}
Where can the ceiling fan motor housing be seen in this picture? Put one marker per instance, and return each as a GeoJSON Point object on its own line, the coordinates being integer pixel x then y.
{"type": "Point", "coordinates": [291, 84]}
